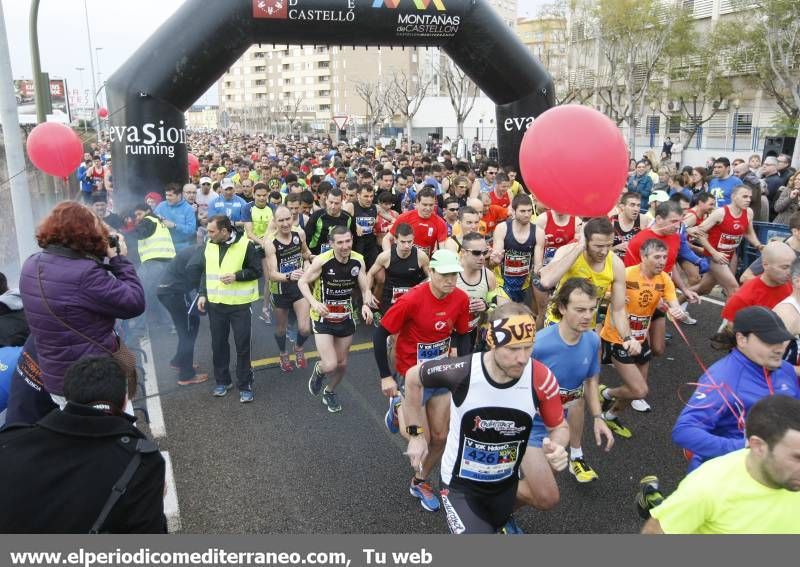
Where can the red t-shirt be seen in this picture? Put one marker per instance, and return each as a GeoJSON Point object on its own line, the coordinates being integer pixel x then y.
{"type": "Point", "coordinates": [673, 242]}
{"type": "Point", "coordinates": [504, 201]}
{"type": "Point", "coordinates": [423, 324]}
{"type": "Point", "coordinates": [427, 232]}
{"type": "Point", "coordinates": [492, 217]}
{"type": "Point", "coordinates": [755, 292]}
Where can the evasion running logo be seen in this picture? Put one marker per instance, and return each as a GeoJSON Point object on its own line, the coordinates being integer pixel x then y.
{"type": "Point", "coordinates": [419, 4]}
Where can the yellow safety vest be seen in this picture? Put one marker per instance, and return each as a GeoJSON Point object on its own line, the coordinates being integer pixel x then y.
{"type": "Point", "coordinates": [261, 219]}
{"type": "Point", "coordinates": [237, 293]}
{"type": "Point", "coordinates": [159, 245]}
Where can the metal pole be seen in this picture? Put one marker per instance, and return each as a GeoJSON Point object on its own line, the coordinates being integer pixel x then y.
{"type": "Point", "coordinates": [15, 157]}
{"type": "Point", "coordinates": [91, 68]}
{"type": "Point", "coordinates": [41, 90]}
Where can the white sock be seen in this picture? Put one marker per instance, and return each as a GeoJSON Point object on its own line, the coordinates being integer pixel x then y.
{"type": "Point", "coordinates": [575, 453]}
{"type": "Point", "coordinates": [610, 415]}
{"type": "Point", "coordinates": [606, 394]}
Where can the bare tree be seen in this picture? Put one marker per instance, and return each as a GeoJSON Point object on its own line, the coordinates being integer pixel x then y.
{"type": "Point", "coordinates": [374, 105]}
{"type": "Point", "coordinates": [460, 89]}
{"type": "Point", "coordinates": [404, 95]}
{"type": "Point", "coordinates": [290, 109]}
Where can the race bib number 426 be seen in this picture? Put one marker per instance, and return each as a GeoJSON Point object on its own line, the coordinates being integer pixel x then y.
{"type": "Point", "coordinates": [488, 462]}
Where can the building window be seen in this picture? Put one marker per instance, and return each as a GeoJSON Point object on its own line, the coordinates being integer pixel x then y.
{"type": "Point", "coordinates": [674, 125]}
{"type": "Point", "coordinates": [286, 67]}
{"type": "Point", "coordinates": [260, 69]}
{"type": "Point", "coordinates": [323, 78]}
{"type": "Point", "coordinates": [323, 64]}
{"type": "Point", "coordinates": [324, 106]}
{"type": "Point", "coordinates": [744, 123]}
{"type": "Point", "coordinates": [653, 124]}
{"type": "Point", "coordinates": [324, 93]}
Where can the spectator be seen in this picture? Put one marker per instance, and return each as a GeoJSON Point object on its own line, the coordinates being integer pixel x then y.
{"type": "Point", "coordinates": [784, 167]}
{"type": "Point", "coordinates": [723, 182]}
{"type": "Point", "coordinates": [787, 202]}
{"type": "Point", "coordinates": [74, 290]}
{"type": "Point", "coordinates": [60, 473]}
{"type": "Point", "coordinates": [640, 182]}
{"type": "Point", "coordinates": [178, 216]}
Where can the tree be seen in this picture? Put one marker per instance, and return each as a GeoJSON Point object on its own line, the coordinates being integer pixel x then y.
{"type": "Point", "coordinates": [767, 48]}
{"type": "Point", "coordinates": [636, 38]}
{"type": "Point", "coordinates": [290, 109]}
{"type": "Point", "coordinates": [405, 94]}
{"type": "Point", "coordinates": [374, 105]}
{"type": "Point", "coordinates": [461, 91]}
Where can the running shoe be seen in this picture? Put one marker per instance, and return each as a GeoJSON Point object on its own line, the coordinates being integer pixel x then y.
{"type": "Point", "coordinates": [616, 426]}
{"type": "Point", "coordinates": [581, 471]}
{"type": "Point", "coordinates": [246, 396]}
{"type": "Point", "coordinates": [316, 380]}
{"type": "Point", "coordinates": [376, 318]}
{"type": "Point", "coordinates": [266, 316]}
{"type": "Point", "coordinates": [196, 379]}
{"type": "Point", "coordinates": [221, 390]}
{"type": "Point", "coordinates": [689, 320]}
{"type": "Point", "coordinates": [391, 420]}
{"type": "Point", "coordinates": [329, 399]}
{"type": "Point", "coordinates": [300, 358]}
{"type": "Point", "coordinates": [427, 498]}
{"type": "Point", "coordinates": [604, 403]}
{"type": "Point", "coordinates": [641, 405]}
{"type": "Point", "coordinates": [649, 496]}
{"type": "Point", "coordinates": [286, 364]}
{"type": "Point", "coordinates": [511, 528]}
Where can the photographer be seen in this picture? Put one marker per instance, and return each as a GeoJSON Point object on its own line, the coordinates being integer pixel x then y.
{"type": "Point", "coordinates": [788, 201]}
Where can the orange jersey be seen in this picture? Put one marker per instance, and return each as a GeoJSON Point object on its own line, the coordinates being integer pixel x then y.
{"type": "Point", "coordinates": [642, 298]}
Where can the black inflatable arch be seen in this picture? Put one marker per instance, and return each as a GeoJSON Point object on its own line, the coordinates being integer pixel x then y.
{"type": "Point", "coordinates": [149, 94]}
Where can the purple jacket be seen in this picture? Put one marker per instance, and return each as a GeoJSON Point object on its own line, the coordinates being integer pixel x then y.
{"type": "Point", "coordinates": [83, 293]}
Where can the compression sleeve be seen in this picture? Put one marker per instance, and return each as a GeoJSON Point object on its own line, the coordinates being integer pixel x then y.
{"type": "Point", "coordinates": [545, 386]}
{"type": "Point", "coordinates": [381, 352]}
{"type": "Point", "coordinates": [462, 343]}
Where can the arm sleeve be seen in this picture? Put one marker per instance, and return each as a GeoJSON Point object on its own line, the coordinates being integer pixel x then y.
{"type": "Point", "coordinates": [669, 289]}
{"type": "Point", "coordinates": [448, 373]}
{"type": "Point", "coordinates": [197, 268]}
{"type": "Point", "coordinates": [462, 343]}
{"type": "Point", "coordinates": [381, 352]}
{"type": "Point", "coordinates": [143, 511]}
{"type": "Point", "coordinates": [545, 387]}
{"type": "Point", "coordinates": [685, 251]}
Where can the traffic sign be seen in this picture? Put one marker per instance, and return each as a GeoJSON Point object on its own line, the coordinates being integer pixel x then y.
{"type": "Point", "coordinates": [341, 121]}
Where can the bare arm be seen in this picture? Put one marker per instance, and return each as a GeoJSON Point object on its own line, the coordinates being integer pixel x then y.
{"type": "Point", "coordinates": [565, 256]}
{"type": "Point", "coordinates": [381, 262]}
{"type": "Point", "coordinates": [652, 527]}
{"type": "Point", "coordinates": [538, 249]}
{"type": "Point", "coordinates": [591, 389]}
{"type": "Point", "coordinates": [304, 285]}
{"type": "Point", "coordinates": [498, 244]}
{"type": "Point", "coordinates": [618, 311]}
{"type": "Point", "coordinates": [272, 264]}
{"type": "Point", "coordinates": [424, 261]}
{"type": "Point", "coordinates": [751, 232]}
{"type": "Point", "coordinates": [475, 190]}
{"type": "Point", "coordinates": [366, 294]}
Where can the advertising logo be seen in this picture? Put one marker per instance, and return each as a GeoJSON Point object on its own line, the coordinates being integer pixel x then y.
{"type": "Point", "coordinates": [419, 4]}
{"type": "Point", "coordinates": [271, 9]}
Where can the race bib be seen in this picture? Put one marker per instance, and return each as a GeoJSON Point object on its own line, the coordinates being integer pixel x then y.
{"type": "Point", "coordinates": [398, 292]}
{"type": "Point", "coordinates": [570, 396]}
{"type": "Point", "coordinates": [433, 351]}
{"type": "Point", "coordinates": [548, 255]}
{"type": "Point", "coordinates": [639, 326]}
{"type": "Point", "coordinates": [516, 264]}
{"type": "Point", "coordinates": [324, 247]}
{"type": "Point", "coordinates": [488, 462]}
{"type": "Point", "coordinates": [728, 243]}
{"type": "Point", "coordinates": [367, 225]}
{"type": "Point", "coordinates": [338, 311]}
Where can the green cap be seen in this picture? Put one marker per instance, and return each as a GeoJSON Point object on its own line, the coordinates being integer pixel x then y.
{"type": "Point", "coordinates": [445, 262]}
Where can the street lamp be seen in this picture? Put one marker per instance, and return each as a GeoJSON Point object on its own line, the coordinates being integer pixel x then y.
{"type": "Point", "coordinates": [91, 65]}
{"type": "Point", "coordinates": [653, 107]}
{"type": "Point", "coordinates": [736, 104]}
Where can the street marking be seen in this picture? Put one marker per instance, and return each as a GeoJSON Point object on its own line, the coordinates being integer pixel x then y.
{"type": "Point", "coordinates": [273, 360]}
{"type": "Point", "coordinates": [714, 301]}
{"type": "Point", "coordinates": [157, 427]}
{"type": "Point", "coordinates": [171, 509]}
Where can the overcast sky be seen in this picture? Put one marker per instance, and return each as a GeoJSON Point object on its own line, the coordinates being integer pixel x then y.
{"type": "Point", "coordinates": [118, 27]}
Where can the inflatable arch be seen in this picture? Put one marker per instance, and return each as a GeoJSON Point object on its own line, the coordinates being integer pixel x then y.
{"type": "Point", "coordinates": [148, 95]}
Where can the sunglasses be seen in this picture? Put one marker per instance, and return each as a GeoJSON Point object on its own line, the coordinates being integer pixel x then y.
{"type": "Point", "coordinates": [477, 253]}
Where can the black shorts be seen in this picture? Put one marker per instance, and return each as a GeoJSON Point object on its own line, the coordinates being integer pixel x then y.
{"type": "Point", "coordinates": [469, 513]}
{"type": "Point", "coordinates": [285, 300]}
{"type": "Point", "coordinates": [341, 330]}
{"type": "Point", "coordinates": [658, 314]}
{"type": "Point", "coordinates": [617, 352]}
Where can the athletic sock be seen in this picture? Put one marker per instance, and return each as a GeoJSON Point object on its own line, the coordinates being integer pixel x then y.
{"type": "Point", "coordinates": [281, 340]}
{"type": "Point", "coordinates": [301, 339]}
{"type": "Point", "coordinates": [610, 415]}
{"type": "Point", "coordinates": [575, 453]}
{"type": "Point", "coordinates": [606, 395]}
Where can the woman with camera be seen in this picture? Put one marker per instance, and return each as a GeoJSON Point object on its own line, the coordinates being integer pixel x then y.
{"type": "Point", "coordinates": [73, 292]}
{"type": "Point", "coordinates": [788, 201]}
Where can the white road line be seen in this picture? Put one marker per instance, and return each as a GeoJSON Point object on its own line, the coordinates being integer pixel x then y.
{"type": "Point", "coordinates": [171, 509]}
{"type": "Point", "coordinates": [712, 300]}
{"type": "Point", "coordinates": [157, 427]}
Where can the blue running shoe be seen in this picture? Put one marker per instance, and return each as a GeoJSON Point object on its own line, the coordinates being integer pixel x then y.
{"type": "Point", "coordinates": [221, 390]}
{"type": "Point", "coordinates": [511, 528]}
{"type": "Point", "coordinates": [391, 420]}
{"type": "Point", "coordinates": [424, 492]}
{"type": "Point", "coordinates": [246, 396]}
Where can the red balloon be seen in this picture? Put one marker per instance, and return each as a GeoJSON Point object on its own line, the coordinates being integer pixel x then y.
{"type": "Point", "coordinates": [103, 112]}
{"type": "Point", "coordinates": [194, 164]}
{"type": "Point", "coordinates": [55, 149]}
{"type": "Point", "coordinates": [574, 160]}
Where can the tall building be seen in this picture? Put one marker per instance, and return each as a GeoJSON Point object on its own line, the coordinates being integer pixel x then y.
{"type": "Point", "coordinates": [546, 38]}
{"type": "Point", "coordinates": [291, 87]}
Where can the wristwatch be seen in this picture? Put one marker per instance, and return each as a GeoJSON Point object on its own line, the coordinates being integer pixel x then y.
{"type": "Point", "coordinates": [414, 430]}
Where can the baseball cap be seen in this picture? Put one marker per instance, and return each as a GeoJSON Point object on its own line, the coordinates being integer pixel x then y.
{"type": "Point", "coordinates": [762, 322]}
{"type": "Point", "coordinates": [205, 180]}
{"type": "Point", "coordinates": [445, 262]}
{"type": "Point", "coordinates": [227, 182]}
{"type": "Point", "coordinates": [658, 197]}
{"type": "Point", "coordinates": [222, 170]}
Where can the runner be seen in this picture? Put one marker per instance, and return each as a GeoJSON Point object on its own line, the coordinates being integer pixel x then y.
{"type": "Point", "coordinates": [517, 249]}
{"type": "Point", "coordinates": [334, 274]}
{"type": "Point", "coordinates": [286, 256]}
{"type": "Point", "coordinates": [486, 183]}
{"type": "Point", "coordinates": [430, 231]}
{"type": "Point", "coordinates": [692, 219]}
{"type": "Point", "coordinates": [628, 222]}
{"type": "Point", "coordinates": [495, 397]}
{"type": "Point", "coordinates": [646, 286]}
{"type": "Point", "coordinates": [424, 320]}
{"type": "Point", "coordinates": [469, 220]}
{"type": "Point", "coordinates": [725, 228]}
{"type": "Point", "coordinates": [479, 283]}
{"type": "Point", "coordinates": [572, 352]}
{"type": "Point", "coordinates": [257, 217]}
{"type": "Point", "coordinates": [364, 213]}
{"type": "Point", "coordinates": [559, 229]}
{"type": "Point", "coordinates": [323, 220]}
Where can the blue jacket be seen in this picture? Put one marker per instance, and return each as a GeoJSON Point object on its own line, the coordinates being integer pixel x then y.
{"type": "Point", "coordinates": [706, 426]}
{"type": "Point", "coordinates": [642, 185]}
{"type": "Point", "coordinates": [87, 185]}
{"type": "Point", "coordinates": [182, 214]}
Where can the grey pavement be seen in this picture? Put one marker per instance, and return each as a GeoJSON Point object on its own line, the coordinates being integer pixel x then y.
{"type": "Point", "coordinates": [283, 464]}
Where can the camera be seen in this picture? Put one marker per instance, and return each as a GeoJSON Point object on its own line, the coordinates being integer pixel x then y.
{"type": "Point", "coordinates": [113, 241]}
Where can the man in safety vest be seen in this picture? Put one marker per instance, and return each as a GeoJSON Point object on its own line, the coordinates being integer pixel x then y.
{"type": "Point", "coordinates": [156, 249]}
{"type": "Point", "coordinates": [231, 268]}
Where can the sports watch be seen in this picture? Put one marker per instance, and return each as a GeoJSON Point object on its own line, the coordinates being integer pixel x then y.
{"type": "Point", "coordinates": [414, 430]}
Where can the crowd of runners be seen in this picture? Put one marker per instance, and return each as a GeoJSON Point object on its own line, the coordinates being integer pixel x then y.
{"type": "Point", "coordinates": [491, 315]}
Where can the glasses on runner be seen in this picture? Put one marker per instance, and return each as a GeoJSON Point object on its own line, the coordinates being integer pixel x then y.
{"type": "Point", "coordinates": [477, 252]}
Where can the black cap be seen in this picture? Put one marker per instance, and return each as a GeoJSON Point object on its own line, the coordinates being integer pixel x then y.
{"type": "Point", "coordinates": [762, 322]}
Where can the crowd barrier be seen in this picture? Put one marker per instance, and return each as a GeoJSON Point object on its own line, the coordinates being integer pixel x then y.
{"type": "Point", "coordinates": [766, 232]}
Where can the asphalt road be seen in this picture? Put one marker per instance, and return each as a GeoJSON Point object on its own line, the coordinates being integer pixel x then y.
{"type": "Point", "coordinates": [283, 464]}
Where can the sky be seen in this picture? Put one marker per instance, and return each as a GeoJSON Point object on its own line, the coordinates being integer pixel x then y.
{"type": "Point", "coordinates": [117, 27]}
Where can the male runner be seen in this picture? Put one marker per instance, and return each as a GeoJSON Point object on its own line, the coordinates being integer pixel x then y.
{"type": "Point", "coordinates": [478, 282]}
{"type": "Point", "coordinates": [486, 183]}
{"type": "Point", "coordinates": [469, 220]}
{"type": "Point", "coordinates": [495, 398]}
{"type": "Point", "coordinates": [646, 285]}
{"type": "Point", "coordinates": [257, 217]}
{"type": "Point", "coordinates": [287, 254]}
{"type": "Point", "coordinates": [425, 320]}
{"type": "Point", "coordinates": [430, 231]}
{"type": "Point", "coordinates": [364, 213]}
{"type": "Point", "coordinates": [725, 228]}
{"type": "Point", "coordinates": [323, 220]}
{"type": "Point", "coordinates": [334, 274]}
{"type": "Point", "coordinates": [628, 222]}
{"type": "Point", "coordinates": [518, 249]}
{"type": "Point", "coordinates": [559, 230]}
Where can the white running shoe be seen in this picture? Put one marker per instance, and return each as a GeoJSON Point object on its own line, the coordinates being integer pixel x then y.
{"type": "Point", "coordinates": [641, 405]}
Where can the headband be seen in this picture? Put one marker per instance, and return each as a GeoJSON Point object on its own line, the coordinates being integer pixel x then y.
{"type": "Point", "coordinates": [513, 331]}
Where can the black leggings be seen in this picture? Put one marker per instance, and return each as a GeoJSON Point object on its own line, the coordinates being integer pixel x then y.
{"type": "Point", "coordinates": [469, 513]}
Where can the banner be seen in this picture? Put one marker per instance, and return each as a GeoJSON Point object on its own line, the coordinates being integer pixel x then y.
{"type": "Point", "coordinates": [25, 91]}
